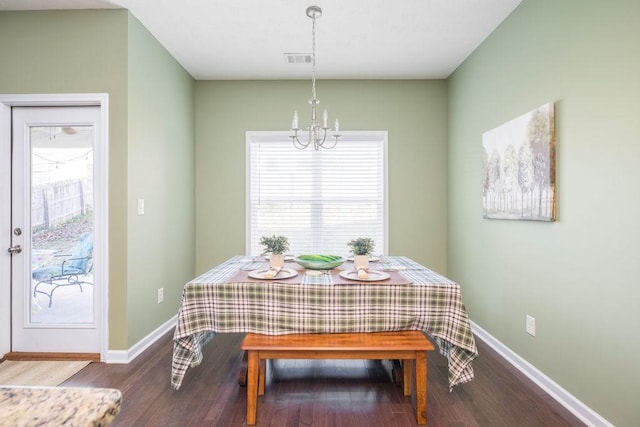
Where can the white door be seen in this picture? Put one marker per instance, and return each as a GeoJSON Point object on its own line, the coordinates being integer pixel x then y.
{"type": "Point", "coordinates": [56, 294]}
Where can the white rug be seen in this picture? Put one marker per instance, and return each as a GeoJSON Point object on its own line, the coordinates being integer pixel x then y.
{"type": "Point", "coordinates": [38, 373]}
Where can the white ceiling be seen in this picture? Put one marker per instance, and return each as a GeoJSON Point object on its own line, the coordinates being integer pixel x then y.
{"type": "Point", "coordinates": [356, 39]}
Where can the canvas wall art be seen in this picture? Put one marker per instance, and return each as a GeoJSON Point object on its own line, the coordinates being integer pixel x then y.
{"type": "Point", "coordinates": [518, 161]}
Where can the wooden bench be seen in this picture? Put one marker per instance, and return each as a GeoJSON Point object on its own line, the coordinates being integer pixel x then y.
{"type": "Point", "coordinates": [409, 346]}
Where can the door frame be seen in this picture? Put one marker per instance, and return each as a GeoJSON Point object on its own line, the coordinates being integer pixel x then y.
{"type": "Point", "coordinates": [101, 171]}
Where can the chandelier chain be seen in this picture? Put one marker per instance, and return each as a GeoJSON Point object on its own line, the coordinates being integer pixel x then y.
{"type": "Point", "coordinates": [313, 57]}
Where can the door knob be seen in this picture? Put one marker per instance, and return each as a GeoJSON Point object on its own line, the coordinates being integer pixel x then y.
{"type": "Point", "coordinates": [15, 249]}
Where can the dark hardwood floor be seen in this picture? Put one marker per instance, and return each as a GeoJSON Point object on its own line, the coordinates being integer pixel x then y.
{"type": "Point", "coordinates": [318, 393]}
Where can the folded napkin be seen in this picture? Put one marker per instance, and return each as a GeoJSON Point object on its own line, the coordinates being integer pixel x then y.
{"type": "Point", "coordinates": [362, 273]}
{"type": "Point", "coordinates": [273, 272]}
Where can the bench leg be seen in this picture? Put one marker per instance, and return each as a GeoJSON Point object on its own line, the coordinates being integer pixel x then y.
{"type": "Point", "coordinates": [421, 387]}
{"type": "Point", "coordinates": [407, 374]}
{"type": "Point", "coordinates": [262, 376]}
{"type": "Point", "coordinates": [252, 388]}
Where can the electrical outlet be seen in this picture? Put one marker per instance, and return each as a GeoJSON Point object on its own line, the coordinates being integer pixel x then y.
{"type": "Point", "coordinates": [531, 325]}
{"type": "Point", "coordinates": [160, 295]}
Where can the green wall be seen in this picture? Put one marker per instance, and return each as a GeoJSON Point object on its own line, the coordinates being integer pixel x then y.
{"type": "Point", "coordinates": [413, 112]}
{"type": "Point", "coordinates": [578, 276]}
{"type": "Point", "coordinates": [161, 144]}
{"type": "Point", "coordinates": [151, 145]}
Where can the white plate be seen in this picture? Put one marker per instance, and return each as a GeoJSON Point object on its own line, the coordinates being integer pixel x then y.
{"type": "Point", "coordinates": [285, 273]}
{"type": "Point", "coordinates": [373, 275]}
{"type": "Point", "coordinates": [371, 259]}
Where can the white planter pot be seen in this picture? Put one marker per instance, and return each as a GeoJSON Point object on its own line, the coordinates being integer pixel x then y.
{"type": "Point", "coordinates": [361, 261]}
{"type": "Point", "coordinates": [276, 261]}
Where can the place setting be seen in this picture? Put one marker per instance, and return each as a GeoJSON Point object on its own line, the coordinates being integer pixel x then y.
{"type": "Point", "coordinates": [363, 275]}
{"type": "Point", "coordinates": [273, 273]}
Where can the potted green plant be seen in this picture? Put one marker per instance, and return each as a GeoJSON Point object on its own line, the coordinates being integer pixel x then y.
{"type": "Point", "coordinates": [362, 247]}
{"type": "Point", "coordinates": [276, 246]}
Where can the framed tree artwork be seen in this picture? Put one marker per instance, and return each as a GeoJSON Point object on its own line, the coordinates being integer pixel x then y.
{"type": "Point", "coordinates": [518, 166]}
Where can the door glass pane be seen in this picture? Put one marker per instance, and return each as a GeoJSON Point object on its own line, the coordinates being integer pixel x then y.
{"type": "Point", "coordinates": [62, 225]}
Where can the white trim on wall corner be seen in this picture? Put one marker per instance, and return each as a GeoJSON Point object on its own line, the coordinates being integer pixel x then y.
{"type": "Point", "coordinates": [562, 396]}
{"type": "Point", "coordinates": [127, 356]}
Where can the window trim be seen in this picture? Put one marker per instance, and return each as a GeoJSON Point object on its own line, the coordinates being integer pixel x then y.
{"type": "Point", "coordinates": [268, 136]}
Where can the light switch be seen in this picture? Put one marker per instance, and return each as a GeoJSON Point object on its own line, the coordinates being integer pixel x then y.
{"type": "Point", "coordinates": [140, 206]}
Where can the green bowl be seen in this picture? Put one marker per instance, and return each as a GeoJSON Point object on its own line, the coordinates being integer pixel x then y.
{"type": "Point", "coordinates": [320, 262]}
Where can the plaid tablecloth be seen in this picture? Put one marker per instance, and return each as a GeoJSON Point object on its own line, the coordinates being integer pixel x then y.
{"type": "Point", "coordinates": [431, 303]}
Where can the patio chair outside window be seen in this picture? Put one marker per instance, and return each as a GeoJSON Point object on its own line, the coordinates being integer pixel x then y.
{"type": "Point", "coordinates": [72, 271]}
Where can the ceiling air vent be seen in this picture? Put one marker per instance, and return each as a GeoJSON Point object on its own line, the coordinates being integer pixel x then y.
{"type": "Point", "coordinates": [297, 58]}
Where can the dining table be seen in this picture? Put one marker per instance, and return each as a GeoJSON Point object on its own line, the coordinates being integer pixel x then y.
{"type": "Point", "coordinates": [398, 294]}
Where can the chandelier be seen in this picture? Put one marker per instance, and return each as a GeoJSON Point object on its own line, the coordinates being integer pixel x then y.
{"type": "Point", "coordinates": [317, 133]}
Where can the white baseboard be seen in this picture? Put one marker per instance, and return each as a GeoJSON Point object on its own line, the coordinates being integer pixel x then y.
{"type": "Point", "coordinates": [126, 356]}
{"type": "Point", "coordinates": [562, 396]}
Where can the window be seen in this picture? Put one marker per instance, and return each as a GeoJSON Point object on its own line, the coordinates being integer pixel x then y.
{"type": "Point", "coordinates": [319, 199]}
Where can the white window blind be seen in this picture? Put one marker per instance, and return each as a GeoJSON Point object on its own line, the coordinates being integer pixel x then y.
{"type": "Point", "coordinates": [319, 199]}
